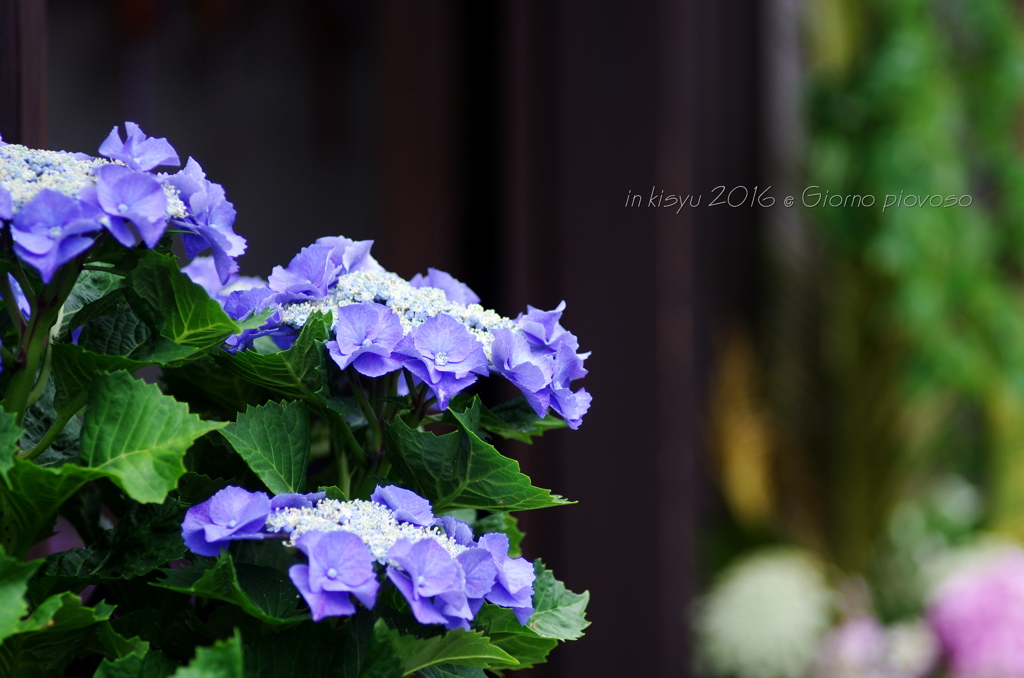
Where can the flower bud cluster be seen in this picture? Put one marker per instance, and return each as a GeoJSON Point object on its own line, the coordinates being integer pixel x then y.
{"type": "Point", "coordinates": [351, 547]}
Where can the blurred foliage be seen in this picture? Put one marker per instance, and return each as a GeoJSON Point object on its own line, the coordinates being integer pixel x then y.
{"type": "Point", "coordinates": [892, 349]}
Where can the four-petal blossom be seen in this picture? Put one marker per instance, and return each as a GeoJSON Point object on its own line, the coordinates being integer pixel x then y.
{"type": "Point", "coordinates": [53, 229]}
{"type": "Point", "coordinates": [138, 151]}
{"type": "Point", "coordinates": [365, 336]}
{"type": "Point", "coordinates": [230, 514]}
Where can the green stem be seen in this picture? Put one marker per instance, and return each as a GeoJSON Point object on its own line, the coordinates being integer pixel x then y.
{"type": "Point", "coordinates": [34, 343]}
{"type": "Point", "coordinates": [364, 405]}
{"type": "Point", "coordinates": [44, 376]}
{"type": "Point", "coordinates": [62, 419]}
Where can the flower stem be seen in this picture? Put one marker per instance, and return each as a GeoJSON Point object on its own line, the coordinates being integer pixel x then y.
{"type": "Point", "coordinates": [62, 419]}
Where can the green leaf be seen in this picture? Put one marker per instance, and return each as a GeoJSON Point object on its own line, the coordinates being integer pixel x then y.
{"type": "Point", "coordinates": [263, 592]}
{"type": "Point", "coordinates": [297, 373]}
{"type": "Point", "coordinates": [460, 470]}
{"type": "Point", "coordinates": [502, 627]}
{"type": "Point", "coordinates": [274, 440]}
{"type": "Point", "coordinates": [76, 368]}
{"type": "Point", "coordinates": [558, 612]}
{"type": "Point", "coordinates": [29, 505]}
{"type": "Point", "coordinates": [208, 387]}
{"type": "Point", "coordinates": [515, 420]}
{"type": "Point", "coordinates": [190, 316]}
{"type": "Point", "coordinates": [14, 576]}
{"type": "Point", "coordinates": [38, 420]}
{"type": "Point", "coordinates": [313, 649]}
{"type": "Point", "coordinates": [505, 523]}
{"type": "Point", "coordinates": [453, 671]}
{"type": "Point", "coordinates": [223, 660]}
{"type": "Point", "coordinates": [90, 286]}
{"type": "Point", "coordinates": [152, 664]}
{"type": "Point", "coordinates": [469, 648]}
{"type": "Point", "coordinates": [138, 436]}
{"type": "Point", "coordinates": [48, 639]}
{"type": "Point", "coordinates": [145, 538]}
{"type": "Point", "coordinates": [10, 434]}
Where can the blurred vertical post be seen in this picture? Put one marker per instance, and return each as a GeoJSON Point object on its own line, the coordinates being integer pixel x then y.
{"type": "Point", "coordinates": [23, 49]}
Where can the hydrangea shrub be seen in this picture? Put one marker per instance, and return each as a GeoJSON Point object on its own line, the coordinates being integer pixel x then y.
{"type": "Point", "coordinates": [311, 488]}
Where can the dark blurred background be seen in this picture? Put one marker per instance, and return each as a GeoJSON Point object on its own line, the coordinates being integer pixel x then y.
{"type": "Point", "coordinates": [499, 141]}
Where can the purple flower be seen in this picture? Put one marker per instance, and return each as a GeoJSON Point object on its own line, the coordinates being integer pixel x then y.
{"type": "Point", "coordinates": [457, 529]}
{"type": "Point", "coordinates": [51, 230]}
{"type": "Point", "coordinates": [978, 616]}
{"type": "Point", "coordinates": [350, 255]}
{"type": "Point", "coordinates": [569, 404]}
{"type": "Point", "coordinates": [127, 195]}
{"type": "Point", "coordinates": [543, 331]}
{"type": "Point", "coordinates": [240, 304]}
{"type": "Point", "coordinates": [513, 586]}
{"type": "Point", "coordinates": [366, 334]}
{"type": "Point", "coordinates": [139, 151]}
{"type": "Point", "coordinates": [530, 372]}
{"type": "Point", "coordinates": [210, 218]}
{"type": "Point", "coordinates": [6, 203]}
{"type": "Point", "coordinates": [296, 500]}
{"type": "Point", "coordinates": [454, 290]}
{"type": "Point", "coordinates": [445, 355]}
{"type": "Point", "coordinates": [339, 565]}
{"type": "Point", "coordinates": [203, 272]}
{"type": "Point", "coordinates": [232, 513]}
{"type": "Point", "coordinates": [308, 275]}
{"type": "Point", "coordinates": [408, 506]}
{"type": "Point", "coordinates": [427, 570]}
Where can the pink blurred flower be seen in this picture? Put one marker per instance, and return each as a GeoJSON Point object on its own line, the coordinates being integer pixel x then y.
{"type": "Point", "coordinates": [978, 615]}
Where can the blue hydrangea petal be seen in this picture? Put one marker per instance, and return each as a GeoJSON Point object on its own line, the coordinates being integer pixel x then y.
{"type": "Point", "coordinates": [322, 604]}
{"type": "Point", "coordinates": [408, 506]}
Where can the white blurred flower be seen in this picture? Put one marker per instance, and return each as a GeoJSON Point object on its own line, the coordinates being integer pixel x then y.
{"type": "Point", "coordinates": [765, 616]}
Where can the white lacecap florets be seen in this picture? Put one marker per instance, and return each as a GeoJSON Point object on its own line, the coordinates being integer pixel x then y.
{"type": "Point", "coordinates": [414, 305]}
{"type": "Point", "coordinates": [374, 523]}
{"type": "Point", "coordinates": [26, 171]}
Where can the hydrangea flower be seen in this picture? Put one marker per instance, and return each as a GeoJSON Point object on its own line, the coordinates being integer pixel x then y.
{"type": "Point", "coordinates": [425, 570]}
{"type": "Point", "coordinates": [203, 272]}
{"type": "Point", "coordinates": [458, 530]}
{"type": "Point", "coordinates": [230, 514]}
{"type": "Point", "coordinates": [978, 615]}
{"type": "Point", "coordinates": [210, 218]}
{"type": "Point", "coordinates": [408, 506]}
{"type": "Point", "coordinates": [445, 577]}
{"type": "Point", "coordinates": [454, 290]}
{"type": "Point", "coordinates": [543, 330]}
{"type": "Point", "coordinates": [444, 355]}
{"type": "Point", "coordinates": [765, 616]}
{"type": "Point", "coordinates": [52, 230]}
{"type": "Point", "coordinates": [571, 405]}
{"type": "Point", "coordinates": [308, 276]}
{"type": "Point", "coordinates": [138, 151]}
{"type": "Point", "coordinates": [531, 373]}
{"type": "Point", "coordinates": [129, 196]}
{"type": "Point", "coordinates": [339, 565]}
{"type": "Point", "coordinates": [365, 336]}
{"type": "Point", "coordinates": [513, 579]}
{"type": "Point", "coordinates": [350, 255]}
